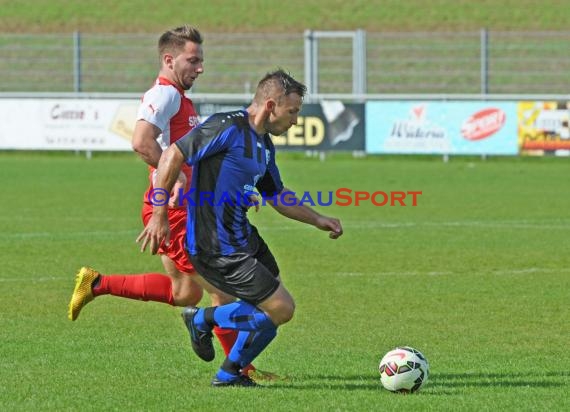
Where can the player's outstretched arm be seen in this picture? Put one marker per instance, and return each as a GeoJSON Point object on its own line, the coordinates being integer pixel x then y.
{"type": "Point", "coordinates": [157, 229]}
{"type": "Point", "coordinates": [292, 209]}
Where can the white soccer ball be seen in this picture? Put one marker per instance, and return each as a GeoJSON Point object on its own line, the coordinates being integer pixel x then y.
{"type": "Point", "coordinates": [403, 369]}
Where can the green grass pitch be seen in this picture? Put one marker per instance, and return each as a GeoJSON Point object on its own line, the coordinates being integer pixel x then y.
{"type": "Point", "coordinates": [476, 276]}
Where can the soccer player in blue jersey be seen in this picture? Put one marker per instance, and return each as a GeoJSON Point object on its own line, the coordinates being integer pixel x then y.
{"type": "Point", "coordinates": [232, 155]}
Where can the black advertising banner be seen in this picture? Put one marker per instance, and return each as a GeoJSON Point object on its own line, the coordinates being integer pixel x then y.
{"type": "Point", "coordinates": [325, 126]}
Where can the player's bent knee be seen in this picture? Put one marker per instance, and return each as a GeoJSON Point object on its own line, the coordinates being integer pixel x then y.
{"type": "Point", "coordinates": [282, 314]}
{"type": "Point", "coordinates": [287, 316]}
{"type": "Point", "coordinates": [186, 293]}
{"type": "Point", "coordinates": [191, 298]}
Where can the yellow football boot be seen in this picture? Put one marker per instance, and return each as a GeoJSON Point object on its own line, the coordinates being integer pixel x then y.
{"type": "Point", "coordinates": [259, 375]}
{"type": "Point", "coordinates": [82, 294]}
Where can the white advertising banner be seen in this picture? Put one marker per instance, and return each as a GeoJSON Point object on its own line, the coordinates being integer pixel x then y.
{"type": "Point", "coordinates": [67, 124]}
{"type": "Point", "coordinates": [424, 127]}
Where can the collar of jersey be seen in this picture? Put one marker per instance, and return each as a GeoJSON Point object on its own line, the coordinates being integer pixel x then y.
{"type": "Point", "coordinates": [164, 81]}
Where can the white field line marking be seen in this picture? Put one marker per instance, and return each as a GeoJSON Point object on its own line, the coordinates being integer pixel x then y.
{"type": "Point", "coordinates": [27, 218]}
{"type": "Point", "coordinates": [520, 271]}
{"type": "Point", "coordinates": [347, 225]}
{"type": "Point", "coordinates": [68, 235]}
{"type": "Point", "coordinates": [561, 225]}
{"type": "Point", "coordinates": [37, 280]}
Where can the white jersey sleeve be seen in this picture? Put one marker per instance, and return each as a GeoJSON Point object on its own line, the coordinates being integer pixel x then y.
{"type": "Point", "coordinates": [159, 105]}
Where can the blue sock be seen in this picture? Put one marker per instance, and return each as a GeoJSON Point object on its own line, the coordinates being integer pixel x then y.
{"type": "Point", "coordinates": [225, 375]}
{"type": "Point", "coordinates": [248, 345]}
{"type": "Point", "coordinates": [199, 320]}
{"type": "Point", "coordinates": [238, 315]}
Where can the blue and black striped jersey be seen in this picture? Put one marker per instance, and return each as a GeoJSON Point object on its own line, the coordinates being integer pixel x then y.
{"type": "Point", "coordinates": [230, 160]}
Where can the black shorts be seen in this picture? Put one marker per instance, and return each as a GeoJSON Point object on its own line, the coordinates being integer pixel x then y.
{"type": "Point", "coordinates": [252, 278]}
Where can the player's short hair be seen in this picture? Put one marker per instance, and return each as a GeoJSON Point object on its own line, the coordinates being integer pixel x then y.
{"type": "Point", "coordinates": [278, 80]}
{"type": "Point", "coordinates": [174, 40]}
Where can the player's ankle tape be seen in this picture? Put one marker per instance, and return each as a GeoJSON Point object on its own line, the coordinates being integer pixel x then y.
{"type": "Point", "coordinates": [231, 367]}
{"type": "Point", "coordinates": [209, 317]}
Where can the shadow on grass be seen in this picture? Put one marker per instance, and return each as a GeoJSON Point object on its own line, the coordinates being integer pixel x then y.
{"type": "Point", "coordinates": [506, 379]}
{"type": "Point", "coordinates": [438, 383]}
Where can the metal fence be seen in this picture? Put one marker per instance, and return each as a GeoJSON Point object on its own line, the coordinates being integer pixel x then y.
{"type": "Point", "coordinates": [394, 63]}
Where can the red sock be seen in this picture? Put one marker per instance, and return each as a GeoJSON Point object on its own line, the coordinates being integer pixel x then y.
{"type": "Point", "coordinates": [227, 338]}
{"type": "Point", "coordinates": [148, 286]}
{"type": "Point", "coordinates": [247, 369]}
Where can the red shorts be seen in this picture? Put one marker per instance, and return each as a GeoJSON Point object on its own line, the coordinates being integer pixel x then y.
{"type": "Point", "coordinates": [176, 251]}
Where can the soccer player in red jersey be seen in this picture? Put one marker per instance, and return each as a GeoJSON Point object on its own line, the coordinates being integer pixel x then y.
{"type": "Point", "coordinates": [164, 116]}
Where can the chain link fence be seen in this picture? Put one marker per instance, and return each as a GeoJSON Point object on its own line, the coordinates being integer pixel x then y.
{"type": "Point", "coordinates": [396, 63]}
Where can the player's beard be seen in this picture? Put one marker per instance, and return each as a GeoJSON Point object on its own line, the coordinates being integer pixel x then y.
{"type": "Point", "coordinates": [188, 83]}
{"type": "Point", "coordinates": [275, 130]}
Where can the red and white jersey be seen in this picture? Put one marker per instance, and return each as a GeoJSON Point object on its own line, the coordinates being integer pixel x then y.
{"type": "Point", "coordinates": [167, 107]}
